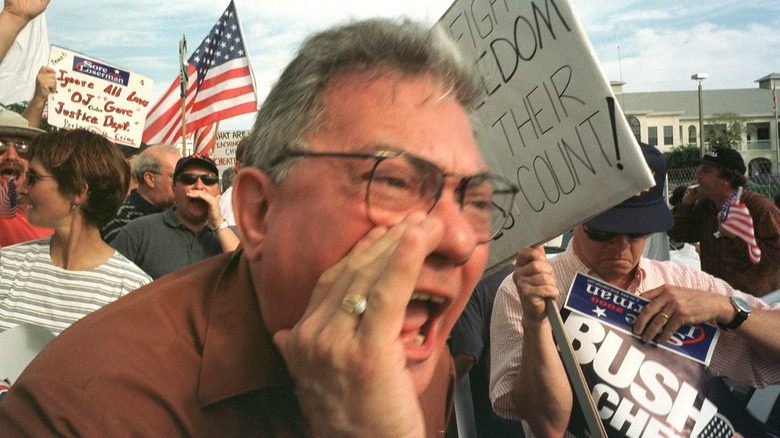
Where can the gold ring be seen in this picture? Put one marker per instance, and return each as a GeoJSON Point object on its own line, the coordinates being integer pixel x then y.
{"type": "Point", "coordinates": [663, 315]}
{"type": "Point", "coordinates": [354, 304]}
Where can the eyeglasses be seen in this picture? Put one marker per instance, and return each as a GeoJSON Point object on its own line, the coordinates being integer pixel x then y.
{"type": "Point", "coordinates": [605, 236]}
{"type": "Point", "coordinates": [399, 183]}
{"type": "Point", "coordinates": [22, 147]}
{"type": "Point", "coordinates": [208, 179]}
{"type": "Point", "coordinates": [33, 177]}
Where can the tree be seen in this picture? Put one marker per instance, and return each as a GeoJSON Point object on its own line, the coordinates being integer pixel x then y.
{"type": "Point", "coordinates": [19, 107]}
{"type": "Point", "coordinates": [728, 130]}
{"type": "Point", "coordinates": [683, 156]}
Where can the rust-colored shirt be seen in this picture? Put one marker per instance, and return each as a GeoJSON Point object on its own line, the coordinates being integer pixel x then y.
{"type": "Point", "coordinates": [726, 258]}
{"type": "Point", "coordinates": [187, 355]}
{"type": "Point", "coordinates": [18, 229]}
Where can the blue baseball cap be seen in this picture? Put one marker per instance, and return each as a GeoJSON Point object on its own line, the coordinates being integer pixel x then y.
{"type": "Point", "coordinates": [646, 212]}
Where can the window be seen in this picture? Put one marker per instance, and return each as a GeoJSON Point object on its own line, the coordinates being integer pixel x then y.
{"type": "Point", "coordinates": [692, 134]}
{"type": "Point", "coordinates": [652, 135]}
{"type": "Point", "coordinates": [668, 135]}
{"type": "Point", "coordinates": [633, 122]}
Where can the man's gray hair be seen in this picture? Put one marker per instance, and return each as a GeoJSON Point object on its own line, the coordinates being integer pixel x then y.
{"type": "Point", "coordinates": [149, 160]}
{"type": "Point", "coordinates": [293, 107]}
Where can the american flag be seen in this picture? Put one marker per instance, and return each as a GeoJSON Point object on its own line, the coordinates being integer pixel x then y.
{"type": "Point", "coordinates": [719, 427]}
{"type": "Point", "coordinates": [8, 200]}
{"type": "Point", "coordinates": [203, 140]}
{"type": "Point", "coordinates": [735, 218]}
{"type": "Point", "coordinates": [221, 85]}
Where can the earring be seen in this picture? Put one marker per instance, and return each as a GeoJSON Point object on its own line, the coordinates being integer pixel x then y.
{"type": "Point", "coordinates": [72, 204]}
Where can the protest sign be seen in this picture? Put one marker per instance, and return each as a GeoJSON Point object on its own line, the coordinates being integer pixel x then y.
{"type": "Point", "coordinates": [619, 309]}
{"type": "Point", "coordinates": [224, 151]}
{"type": "Point", "coordinates": [547, 119]}
{"type": "Point", "coordinates": [100, 97]}
{"type": "Point", "coordinates": [639, 389]}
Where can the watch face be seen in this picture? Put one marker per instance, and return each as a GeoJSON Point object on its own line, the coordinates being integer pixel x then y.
{"type": "Point", "coordinates": [741, 304]}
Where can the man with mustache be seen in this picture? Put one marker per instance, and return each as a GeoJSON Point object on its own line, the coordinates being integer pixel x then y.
{"type": "Point", "coordinates": [189, 232]}
{"type": "Point", "coordinates": [15, 134]}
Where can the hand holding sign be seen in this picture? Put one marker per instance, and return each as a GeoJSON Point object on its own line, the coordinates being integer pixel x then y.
{"type": "Point", "coordinates": [682, 306]}
{"type": "Point", "coordinates": [535, 283]}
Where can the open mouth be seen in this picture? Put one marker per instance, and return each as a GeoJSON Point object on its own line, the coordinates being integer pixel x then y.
{"type": "Point", "coordinates": [421, 313]}
{"type": "Point", "coordinates": [9, 173]}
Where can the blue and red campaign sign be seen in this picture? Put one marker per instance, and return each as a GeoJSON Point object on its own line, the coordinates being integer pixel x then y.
{"type": "Point", "coordinates": [645, 389]}
{"type": "Point", "coordinates": [619, 309]}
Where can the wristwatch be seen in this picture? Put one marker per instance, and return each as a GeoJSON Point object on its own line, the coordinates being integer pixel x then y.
{"type": "Point", "coordinates": [220, 227]}
{"type": "Point", "coordinates": [743, 311]}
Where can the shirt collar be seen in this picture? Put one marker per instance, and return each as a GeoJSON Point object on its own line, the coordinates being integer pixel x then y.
{"type": "Point", "coordinates": [238, 353]}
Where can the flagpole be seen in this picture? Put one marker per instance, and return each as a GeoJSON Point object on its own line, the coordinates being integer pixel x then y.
{"type": "Point", "coordinates": [213, 141]}
{"type": "Point", "coordinates": [579, 386]}
{"type": "Point", "coordinates": [184, 84]}
{"type": "Point", "coordinates": [777, 128]}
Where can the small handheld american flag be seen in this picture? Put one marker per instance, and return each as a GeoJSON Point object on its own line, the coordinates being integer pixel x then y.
{"type": "Point", "coordinates": [8, 200]}
{"type": "Point", "coordinates": [735, 218]}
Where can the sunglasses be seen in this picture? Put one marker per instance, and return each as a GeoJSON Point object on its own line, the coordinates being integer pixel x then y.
{"type": "Point", "coordinates": [21, 147]}
{"type": "Point", "coordinates": [207, 179]}
{"type": "Point", "coordinates": [605, 236]}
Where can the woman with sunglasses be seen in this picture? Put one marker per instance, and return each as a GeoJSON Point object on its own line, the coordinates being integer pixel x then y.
{"type": "Point", "coordinates": [191, 231]}
{"type": "Point", "coordinates": [74, 184]}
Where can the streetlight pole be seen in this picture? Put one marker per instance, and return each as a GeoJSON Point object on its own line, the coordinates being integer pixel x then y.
{"type": "Point", "coordinates": [700, 77]}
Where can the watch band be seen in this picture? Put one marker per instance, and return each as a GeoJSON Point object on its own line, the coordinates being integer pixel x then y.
{"type": "Point", "coordinates": [743, 312]}
{"type": "Point", "coordinates": [221, 226]}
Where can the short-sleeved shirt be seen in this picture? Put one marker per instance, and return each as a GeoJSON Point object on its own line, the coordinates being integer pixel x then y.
{"type": "Point", "coordinates": [160, 244]}
{"type": "Point", "coordinates": [18, 229]}
{"type": "Point", "coordinates": [34, 290]}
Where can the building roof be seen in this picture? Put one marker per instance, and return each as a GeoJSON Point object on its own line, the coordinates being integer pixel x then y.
{"type": "Point", "coordinates": [747, 102]}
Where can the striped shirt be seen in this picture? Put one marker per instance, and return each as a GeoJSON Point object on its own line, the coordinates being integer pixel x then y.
{"type": "Point", "coordinates": [34, 290]}
{"type": "Point", "coordinates": [732, 356]}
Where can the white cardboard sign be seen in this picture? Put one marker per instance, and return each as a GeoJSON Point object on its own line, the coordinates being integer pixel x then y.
{"type": "Point", "coordinates": [548, 120]}
{"type": "Point", "coordinates": [99, 97]}
{"type": "Point", "coordinates": [224, 151]}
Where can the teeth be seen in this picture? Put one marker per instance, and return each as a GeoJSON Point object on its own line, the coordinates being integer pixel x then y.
{"type": "Point", "coordinates": [422, 296]}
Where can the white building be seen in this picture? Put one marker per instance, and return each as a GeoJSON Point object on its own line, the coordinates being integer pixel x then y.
{"type": "Point", "coordinates": [668, 119]}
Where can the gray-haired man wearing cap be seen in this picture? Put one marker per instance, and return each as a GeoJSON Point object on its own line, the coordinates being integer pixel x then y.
{"type": "Point", "coordinates": [15, 134]}
{"type": "Point", "coordinates": [528, 381]}
{"type": "Point", "coordinates": [191, 231]}
{"type": "Point", "coordinates": [696, 219]}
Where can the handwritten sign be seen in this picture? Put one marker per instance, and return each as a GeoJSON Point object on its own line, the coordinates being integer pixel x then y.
{"type": "Point", "coordinates": [97, 96]}
{"type": "Point", "coordinates": [548, 120]}
{"type": "Point", "coordinates": [224, 151]}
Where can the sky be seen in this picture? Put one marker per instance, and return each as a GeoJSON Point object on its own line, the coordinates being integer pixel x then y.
{"type": "Point", "coordinates": [651, 45]}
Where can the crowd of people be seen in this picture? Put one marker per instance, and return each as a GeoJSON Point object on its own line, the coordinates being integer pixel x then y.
{"type": "Point", "coordinates": [314, 292]}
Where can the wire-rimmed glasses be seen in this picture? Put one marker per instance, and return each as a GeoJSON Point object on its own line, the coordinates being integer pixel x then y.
{"type": "Point", "coordinates": [399, 183]}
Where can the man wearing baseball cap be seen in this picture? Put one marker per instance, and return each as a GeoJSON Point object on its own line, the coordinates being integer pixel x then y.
{"type": "Point", "coordinates": [528, 381]}
{"type": "Point", "coordinates": [192, 230]}
{"type": "Point", "coordinates": [15, 135]}
{"type": "Point", "coordinates": [697, 219]}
